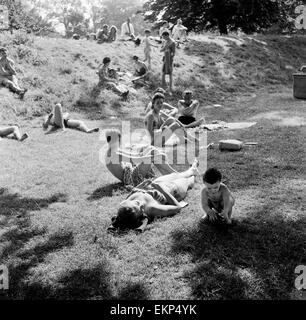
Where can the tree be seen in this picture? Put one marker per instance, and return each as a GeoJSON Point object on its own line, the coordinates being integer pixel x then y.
{"type": "Point", "coordinates": [225, 15]}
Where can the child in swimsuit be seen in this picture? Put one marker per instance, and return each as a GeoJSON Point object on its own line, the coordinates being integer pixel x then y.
{"type": "Point", "coordinates": [216, 199]}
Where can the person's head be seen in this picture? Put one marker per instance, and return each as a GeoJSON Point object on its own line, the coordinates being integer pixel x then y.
{"type": "Point", "coordinates": [3, 52]}
{"type": "Point", "coordinates": [135, 59]}
{"type": "Point", "coordinates": [113, 30]}
{"type": "Point", "coordinates": [157, 102]}
{"type": "Point", "coordinates": [106, 61]}
{"type": "Point", "coordinates": [128, 20]}
{"type": "Point", "coordinates": [129, 216]}
{"type": "Point", "coordinates": [147, 32]}
{"type": "Point", "coordinates": [113, 136]}
{"type": "Point", "coordinates": [179, 21]}
{"type": "Point", "coordinates": [187, 95]}
{"type": "Point", "coordinates": [105, 27]}
{"type": "Point", "coordinates": [212, 179]}
{"type": "Point", "coordinates": [166, 35]}
{"type": "Point", "coordinates": [160, 90]}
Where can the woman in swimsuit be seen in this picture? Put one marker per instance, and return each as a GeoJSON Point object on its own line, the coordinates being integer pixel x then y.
{"type": "Point", "coordinates": [58, 119]}
{"type": "Point", "coordinates": [162, 126]}
{"type": "Point", "coordinates": [157, 199]}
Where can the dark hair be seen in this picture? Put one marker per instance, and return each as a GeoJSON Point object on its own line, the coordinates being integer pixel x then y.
{"type": "Point", "coordinates": [106, 60]}
{"type": "Point", "coordinates": [147, 31]}
{"type": "Point", "coordinates": [2, 49]}
{"type": "Point", "coordinates": [160, 90]}
{"type": "Point", "coordinates": [135, 58]}
{"type": "Point", "coordinates": [112, 133]}
{"type": "Point", "coordinates": [212, 176]}
{"type": "Point", "coordinates": [127, 218]}
{"type": "Point", "coordinates": [165, 33]}
{"type": "Point", "coordinates": [105, 25]}
{"type": "Point", "coordinates": [157, 96]}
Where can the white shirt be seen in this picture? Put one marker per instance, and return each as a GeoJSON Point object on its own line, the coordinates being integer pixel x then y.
{"type": "Point", "coordinates": [125, 31]}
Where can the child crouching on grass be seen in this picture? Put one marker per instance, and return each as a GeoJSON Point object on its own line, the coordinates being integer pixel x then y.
{"type": "Point", "coordinates": [217, 201]}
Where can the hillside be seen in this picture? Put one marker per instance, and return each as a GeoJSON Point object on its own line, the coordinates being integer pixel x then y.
{"type": "Point", "coordinates": [217, 68]}
{"type": "Point", "coordinates": [57, 198]}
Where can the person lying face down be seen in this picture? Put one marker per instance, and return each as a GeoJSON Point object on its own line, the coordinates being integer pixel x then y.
{"type": "Point", "coordinates": [162, 197]}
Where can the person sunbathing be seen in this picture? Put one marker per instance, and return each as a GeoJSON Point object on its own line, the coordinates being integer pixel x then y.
{"type": "Point", "coordinates": [58, 119]}
{"type": "Point", "coordinates": [133, 168]}
{"type": "Point", "coordinates": [8, 74]}
{"type": "Point", "coordinates": [109, 80]}
{"type": "Point", "coordinates": [162, 197]}
{"type": "Point", "coordinates": [13, 132]}
{"type": "Point", "coordinates": [166, 108]}
{"type": "Point", "coordinates": [162, 126]}
{"type": "Point", "coordinates": [188, 109]}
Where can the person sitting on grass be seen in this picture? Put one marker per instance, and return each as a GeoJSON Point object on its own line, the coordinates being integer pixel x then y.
{"type": "Point", "coordinates": [162, 197]}
{"type": "Point", "coordinates": [216, 199]}
{"type": "Point", "coordinates": [141, 71]}
{"type": "Point", "coordinates": [112, 34]}
{"type": "Point", "coordinates": [8, 74]}
{"type": "Point", "coordinates": [59, 120]}
{"type": "Point", "coordinates": [161, 126]}
{"type": "Point", "coordinates": [130, 168]}
{"type": "Point", "coordinates": [166, 108]}
{"type": "Point", "coordinates": [188, 109]}
{"type": "Point", "coordinates": [13, 132]}
{"type": "Point", "coordinates": [103, 35]}
{"type": "Point", "coordinates": [110, 80]}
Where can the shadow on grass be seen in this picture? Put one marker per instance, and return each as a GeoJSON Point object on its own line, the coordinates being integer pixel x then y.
{"type": "Point", "coordinates": [255, 259]}
{"type": "Point", "coordinates": [106, 191]}
{"type": "Point", "coordinates": [83, 284]}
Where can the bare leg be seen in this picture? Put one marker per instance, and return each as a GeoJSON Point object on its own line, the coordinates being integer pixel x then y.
{"type": "Point", "coordinates": [164, 80]}
{"type": "Point", "coordinates": [80, 125]}
{"type": "Point", "coordinates": [58, 116]}
{"type": "Point", "coordinates": [15, 131]}
{"type": "Point", "coordinates": [170, 82]}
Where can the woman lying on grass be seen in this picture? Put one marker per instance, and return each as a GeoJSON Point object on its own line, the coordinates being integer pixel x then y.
{"type": "Point", "coordinates": [162, 126]}
{"type": "Point", "coordinates": [133, 169]}
{"type": "Point", "coordinates": [13, 132]}
{"type": "Point", "coordinates": [159, 198]}
{"type": "Point", "coordinates": [58, 119]}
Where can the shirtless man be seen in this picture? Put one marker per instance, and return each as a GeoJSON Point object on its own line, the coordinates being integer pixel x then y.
{"type": "Point", "coordinates": [8, 74]}
{"type": "Point", "coordinates": [216, 199]}
{"type": "Point", "coordinates": [160, 198]}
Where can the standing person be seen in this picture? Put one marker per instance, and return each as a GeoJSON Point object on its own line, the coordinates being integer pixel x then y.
{"type": "Point", "coordinates": [168, 48]}
{"type": "Point", "coordinates": [179, 32]}
{"type": "Point", "coordinates": [164, 27]}
{"type": "Point", "coordinates": [8, 74]}
{"type": "Point", "coordinates": [13, 131]}
{"type": "Point", "coordinates": [127, 30]}
{"type": "Point", "coordinates": [102, 35]}
{"type": "Point", "coordinates": [148, 48]}
{"type": "Point", "coordinates": [188, 109]}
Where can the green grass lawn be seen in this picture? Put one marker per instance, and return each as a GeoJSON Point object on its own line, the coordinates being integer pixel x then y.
{"type": "Point", "coordinates": [57, 198]}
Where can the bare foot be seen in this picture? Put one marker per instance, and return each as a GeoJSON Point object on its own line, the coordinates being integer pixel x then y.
{"type": "Point", "coordinates": [24, 136]}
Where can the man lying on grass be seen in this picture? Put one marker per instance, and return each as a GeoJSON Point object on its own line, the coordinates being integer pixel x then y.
{"type": "Point", "coordinates": [162, 197]}
{"type": "Point", "coordinates": [8, 74]}
{"type": "Point", "coordinates": [133, 168]}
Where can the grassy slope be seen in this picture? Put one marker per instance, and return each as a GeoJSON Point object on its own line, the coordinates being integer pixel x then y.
{"type": "Point", "coordinates": [57, 199]}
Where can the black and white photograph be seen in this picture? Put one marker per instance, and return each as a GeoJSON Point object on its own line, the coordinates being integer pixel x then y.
{"type": "Point", "coordinates": [152, 150]}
